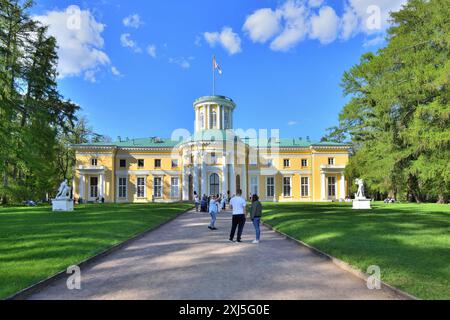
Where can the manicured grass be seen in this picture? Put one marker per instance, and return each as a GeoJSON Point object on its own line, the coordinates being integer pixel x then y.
{"type": "Point", "coordinates": [36, 243]}
{"type": "Point", "coordinates": [409, 242]}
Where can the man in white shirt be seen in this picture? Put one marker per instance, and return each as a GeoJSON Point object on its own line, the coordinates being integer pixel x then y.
{"type": "Point", "coordinates": [238, 204]}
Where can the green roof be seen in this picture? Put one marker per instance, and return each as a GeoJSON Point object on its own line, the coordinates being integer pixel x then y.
{"type": "Point", "coordinates": [214, 135]}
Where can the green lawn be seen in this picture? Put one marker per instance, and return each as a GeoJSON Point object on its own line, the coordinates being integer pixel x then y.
{"type": "Point", "coordinates": [36, 243]}
{"type": "Point", "coordinates": [410, 242]}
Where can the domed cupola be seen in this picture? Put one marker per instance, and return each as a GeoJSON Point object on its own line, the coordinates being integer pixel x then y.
{"type": "Point", "coordinates": [213, 113]}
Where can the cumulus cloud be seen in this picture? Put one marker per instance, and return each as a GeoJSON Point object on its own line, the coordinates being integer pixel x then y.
{"type": "Point", "coordinates": [115, 71]}
{"type": "Point", "coordinates": [296, 20]}
{"type": "Point", "coordinates": [325, 25]}
{"type": "Point", "coordinates": [262, 25]}
{"type": "Point", "coordinates": [80, 41]}
{"type": "Point", "coordinates": [132, 21]}
{"type": "Point", "coordinates": [127, 42]}
{"type": "Point", "coordinates": [229, 40]}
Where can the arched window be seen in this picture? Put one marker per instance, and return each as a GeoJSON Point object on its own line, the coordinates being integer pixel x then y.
{"type": "Point", "coordinates": [201, 120]}
{"type": "Point", "coordinates": [213, 120]}
{"type": "Point", "coordinates": [214, 184]}
{"type": "Point", "coordinates": [227, 119]}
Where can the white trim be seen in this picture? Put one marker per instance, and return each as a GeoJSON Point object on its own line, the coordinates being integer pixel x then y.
{"type": "Point", "coordinates": [145, 187]}
{"type": "Point", "coordinates": [118, 197]}
{"type": "Point", "coordinates": [162, 187]}
{"type": "Point", "coordinates": [274, 187]}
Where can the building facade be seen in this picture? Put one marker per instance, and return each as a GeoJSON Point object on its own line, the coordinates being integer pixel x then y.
{"type": "Point", "coordinates": [216, 159]}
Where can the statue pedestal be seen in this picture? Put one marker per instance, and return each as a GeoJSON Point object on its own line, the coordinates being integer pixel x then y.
{"type": "Point", "coordinates": [62, 205]}
{"type": "Point", "coordinates": [360, 204]}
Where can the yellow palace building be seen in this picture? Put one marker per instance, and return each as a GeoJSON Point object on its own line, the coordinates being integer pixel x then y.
{"type": "Point", "coordinates": [216, 159]}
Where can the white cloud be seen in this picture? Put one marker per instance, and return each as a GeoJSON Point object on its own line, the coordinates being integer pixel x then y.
{"type": "Point", "coordinates": [229, 40]}
{"type": "Point", "coordinates": [198, 41]}
{"type": "Point", "coordinates": [80, 42]}
{"type": "Point", "coordinates": [115, 71]}
{"type": "Point", "coordinates": [379, 40]}
{"type": "Point", "coordinates": [325, 26]}
{"type": "Point", "coordinates": [315, 3]}
{"type": "Point", "coordinates": [127, 42]}
{"type": "Point", "coordinates": [182, 62]}
{"type": "Point", "coordinates": [292, 123]}
{"type": "Point", "coordinates": [296, 20]}
{"type": "Point", "coordinates": [151, 50]}
{"type": "Point", "coordinates": [368, 16]}
{"type": "Point", "coordinates": [132, 21]}
{"type": "Point", "coordinates": [262, 25]}
{"type": "Point", "coordinates": [295, 17]}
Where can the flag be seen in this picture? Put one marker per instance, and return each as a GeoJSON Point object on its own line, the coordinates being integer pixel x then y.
{"type": "Point", "coordinates": [216, 66]}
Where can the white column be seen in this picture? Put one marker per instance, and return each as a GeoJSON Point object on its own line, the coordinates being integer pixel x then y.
{"type": "Point", "coordinates": [204, 188]}
{"type": "Point", "coordinates": [102, 185]}
{"type": "Point", "coordinates": [196, 189]}
{"type": "Point", "coordinates": [185, 184]}
{"type": "Point", "coordinates": [323, 186]}
{"type": "Point", "coordinates": [232, 180]}
{"type": "Point", "coordinates": [244, 179]}
{"type": "Point", "coordinates": [224, 175]}
{"type": "Point", "coordinates": [81, 187]}
{"type": "Point", "coordinates": [342, 193]}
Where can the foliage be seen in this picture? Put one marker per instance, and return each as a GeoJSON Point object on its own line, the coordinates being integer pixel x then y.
{"type": "Point", "coordinates": [398, 117]}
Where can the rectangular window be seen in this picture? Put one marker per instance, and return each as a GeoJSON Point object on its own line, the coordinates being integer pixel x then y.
{"type": "Point", "coordinates": [304, 163]}
{"type": "Point", "coordinates": [226, 119]}
{"type": "Point", "coordinates": [332, 187]}
{"type": "Point", "coordinates": [93, 192]}
{"type": "Point", "coordinates": [141, 163]}
{"type": "Point", "coordinates": [94, 162]}
{"type": "Point", "coordinates": [157, 187]}
{"type": "Point", "coordinates": [140, 187]}
{"type": "Point", "coordinates": [174, 187]}
{"type": "Point", "coordinates": [123, 163]}
{"type": "Point", "coordinates": [157, 163]}
{"type": "Point", "coordinates": [254, 184]}
{"type": "Point", "coordinates": [270, 163]}
{"type": "Point", "coordinates": [122, 187]}
{"type": "Point", "coordinates": [270, 187]}
{"type": "Point", "coordinates": [305, 186]}
{"type": "Point", "coordinates": [331, 161]}
{"type": "Point", "coordinates": [287, 163]}
{"type": "Point", "coordinates": [287, 186]}
{"type": "Point", "coordinates": [174, 163]}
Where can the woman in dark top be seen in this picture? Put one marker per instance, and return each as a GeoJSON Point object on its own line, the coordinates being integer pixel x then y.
{"type": "Point", "coordinates": [255, 215]}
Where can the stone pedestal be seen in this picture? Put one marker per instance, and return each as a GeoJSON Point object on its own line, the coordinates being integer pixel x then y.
{"type": "Point", "coordinates": [62, 205]}
{"type": "Point", "coordinates": [360, 204]}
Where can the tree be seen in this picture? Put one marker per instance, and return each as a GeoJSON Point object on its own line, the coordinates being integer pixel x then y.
{"type": "Point", "coordinates": [398, 117]}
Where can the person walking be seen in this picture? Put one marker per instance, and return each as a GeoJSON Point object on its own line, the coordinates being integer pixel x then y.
{"type": "Point", "coordinates": [255, 216]}
{"type": "Point", "coordinates": [196, 201]}
{"type": "Point", "coordinates": [237, 204]}
{"type": "Point", "coordinates": [213, 210]}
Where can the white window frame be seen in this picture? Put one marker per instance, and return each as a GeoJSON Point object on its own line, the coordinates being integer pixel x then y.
{"type": "Point", "coordinates": [213, 119]}
{"type": "Point", "coordinates": [161, 186]}
{"type": "Point", "coordinates": [331, 161]}
{"type": "Point", "coordinates": [119, 186]}
{"type": "Point", "coordinates": [254, 185]}
{"type": "Point", "coordinates": [304, 161]}
{"type": "Point", "coordinates": [287, 163]}
{"type": "Point", "coordinates": [97, 188]}
{"type": "Point", "coordinates": [138, 178]}
{"type": "Point", "coordinates": [94, 162]}
{"type": "Point", "coordinates": [329, 187]}
{"type": "Point", "coordinates": [304, 187]}
{"type": "Point", "coordinates": [201, 117]}
{"type": "Point", "coordinates": [270, 185]}
{"type": "Point", "coordinates": [226, 115]}
{"type": "Point", "coordinates": [174, 188]}
{"type": "Point", "coordinates": [285, 185]}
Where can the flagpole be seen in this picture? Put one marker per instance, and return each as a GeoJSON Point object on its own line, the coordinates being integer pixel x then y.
{"type": "Point", "coordinates": [214, 76]}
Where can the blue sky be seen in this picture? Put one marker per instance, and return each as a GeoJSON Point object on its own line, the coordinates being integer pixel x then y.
{"type": "Point", "coordinates": [135, 67]}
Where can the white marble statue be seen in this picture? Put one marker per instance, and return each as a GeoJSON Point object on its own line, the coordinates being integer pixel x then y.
{"type": "Point", "coordinates": [63, 191]}
{"type": "Point", "coordinates": [361, 192]}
